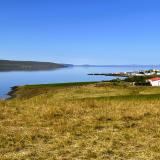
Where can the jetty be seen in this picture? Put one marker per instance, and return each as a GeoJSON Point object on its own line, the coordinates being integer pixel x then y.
{"type": "Point", "coordinates": [109, 74]}
{"type": "Point", "coordinates": [142, 73]}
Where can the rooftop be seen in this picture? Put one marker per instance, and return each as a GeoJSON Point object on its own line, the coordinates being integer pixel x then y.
{"type": "Point", "coordinates": [155, 79]}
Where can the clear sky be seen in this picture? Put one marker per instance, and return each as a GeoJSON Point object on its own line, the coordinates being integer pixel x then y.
{"type": "Point", "coordinates": [81, 31]}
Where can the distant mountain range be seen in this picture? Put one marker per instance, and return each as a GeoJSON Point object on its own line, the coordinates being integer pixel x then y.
{"type": "Point", "coordinates": [132, 65]}
{"type": "Point", "coordinates": [8, 65]}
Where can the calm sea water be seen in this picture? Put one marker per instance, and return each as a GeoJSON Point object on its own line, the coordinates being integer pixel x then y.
{"type": "Point", "coordinates": [72, 74]}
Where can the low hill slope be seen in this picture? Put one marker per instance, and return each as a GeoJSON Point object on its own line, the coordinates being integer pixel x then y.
{"type": "Point", "coordinates": [81, 121]}
{"type": "Point", "coordinates": [7, 65]}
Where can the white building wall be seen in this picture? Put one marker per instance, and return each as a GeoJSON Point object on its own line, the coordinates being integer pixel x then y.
{"type": "Point", "coordinates": [155, 83]}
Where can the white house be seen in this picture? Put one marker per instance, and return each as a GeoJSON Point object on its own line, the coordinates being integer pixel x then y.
{"type": "Point", "coordinates": [155, 81]}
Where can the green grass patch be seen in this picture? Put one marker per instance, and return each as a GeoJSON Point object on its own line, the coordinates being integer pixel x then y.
{"type": "Point", "coordinates": [128, 97]}
{"type": "Point", "coordinates": [59, 84]}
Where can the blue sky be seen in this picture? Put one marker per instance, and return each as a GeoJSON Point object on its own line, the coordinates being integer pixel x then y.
{"type": "Point", "coordinates": [81, 31]}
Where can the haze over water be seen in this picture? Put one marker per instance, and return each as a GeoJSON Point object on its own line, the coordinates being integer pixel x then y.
{"type": "Point", "coordinates": [63, 75]}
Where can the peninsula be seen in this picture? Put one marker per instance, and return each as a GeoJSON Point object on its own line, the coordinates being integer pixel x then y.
{"type": "Point", "coordinates": [8, 65]}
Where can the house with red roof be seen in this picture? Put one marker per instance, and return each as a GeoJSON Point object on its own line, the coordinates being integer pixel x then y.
{"type": "Point", "coordinates": [154, 81]}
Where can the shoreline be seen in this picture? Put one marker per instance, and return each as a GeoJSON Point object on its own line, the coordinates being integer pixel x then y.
{"type": "Point", "coordinates": [12, 93]}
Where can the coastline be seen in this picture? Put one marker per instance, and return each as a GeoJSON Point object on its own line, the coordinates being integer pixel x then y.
{"type": "Point", "coordinates": [12, 93]}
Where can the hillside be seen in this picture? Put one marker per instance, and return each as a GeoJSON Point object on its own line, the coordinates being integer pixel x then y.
{"type": "Point", "coordinates": [81, 121]}
{"type": "Point", "coordinates": [7, 65]}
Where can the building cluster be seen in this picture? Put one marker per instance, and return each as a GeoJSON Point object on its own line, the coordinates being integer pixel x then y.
{"type": "Point", "coordinates": [152, 72]}
{"type": "Point", "coordinates": [154, 75]}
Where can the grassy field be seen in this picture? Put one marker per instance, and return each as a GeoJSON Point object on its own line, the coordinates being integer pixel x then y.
{"type": "Point", "coordinates": [103, 121]}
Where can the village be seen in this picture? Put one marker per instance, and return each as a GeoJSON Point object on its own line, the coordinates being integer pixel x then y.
{"type": "Point", "coordinates": [140, 78]}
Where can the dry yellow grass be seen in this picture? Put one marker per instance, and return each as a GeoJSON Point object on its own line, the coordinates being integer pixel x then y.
{"type": "Point", "coordinates": [81, 122]}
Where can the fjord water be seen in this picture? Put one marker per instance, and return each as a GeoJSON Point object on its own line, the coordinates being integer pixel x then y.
{"type": "Point", "coordinates": [63, 75]}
